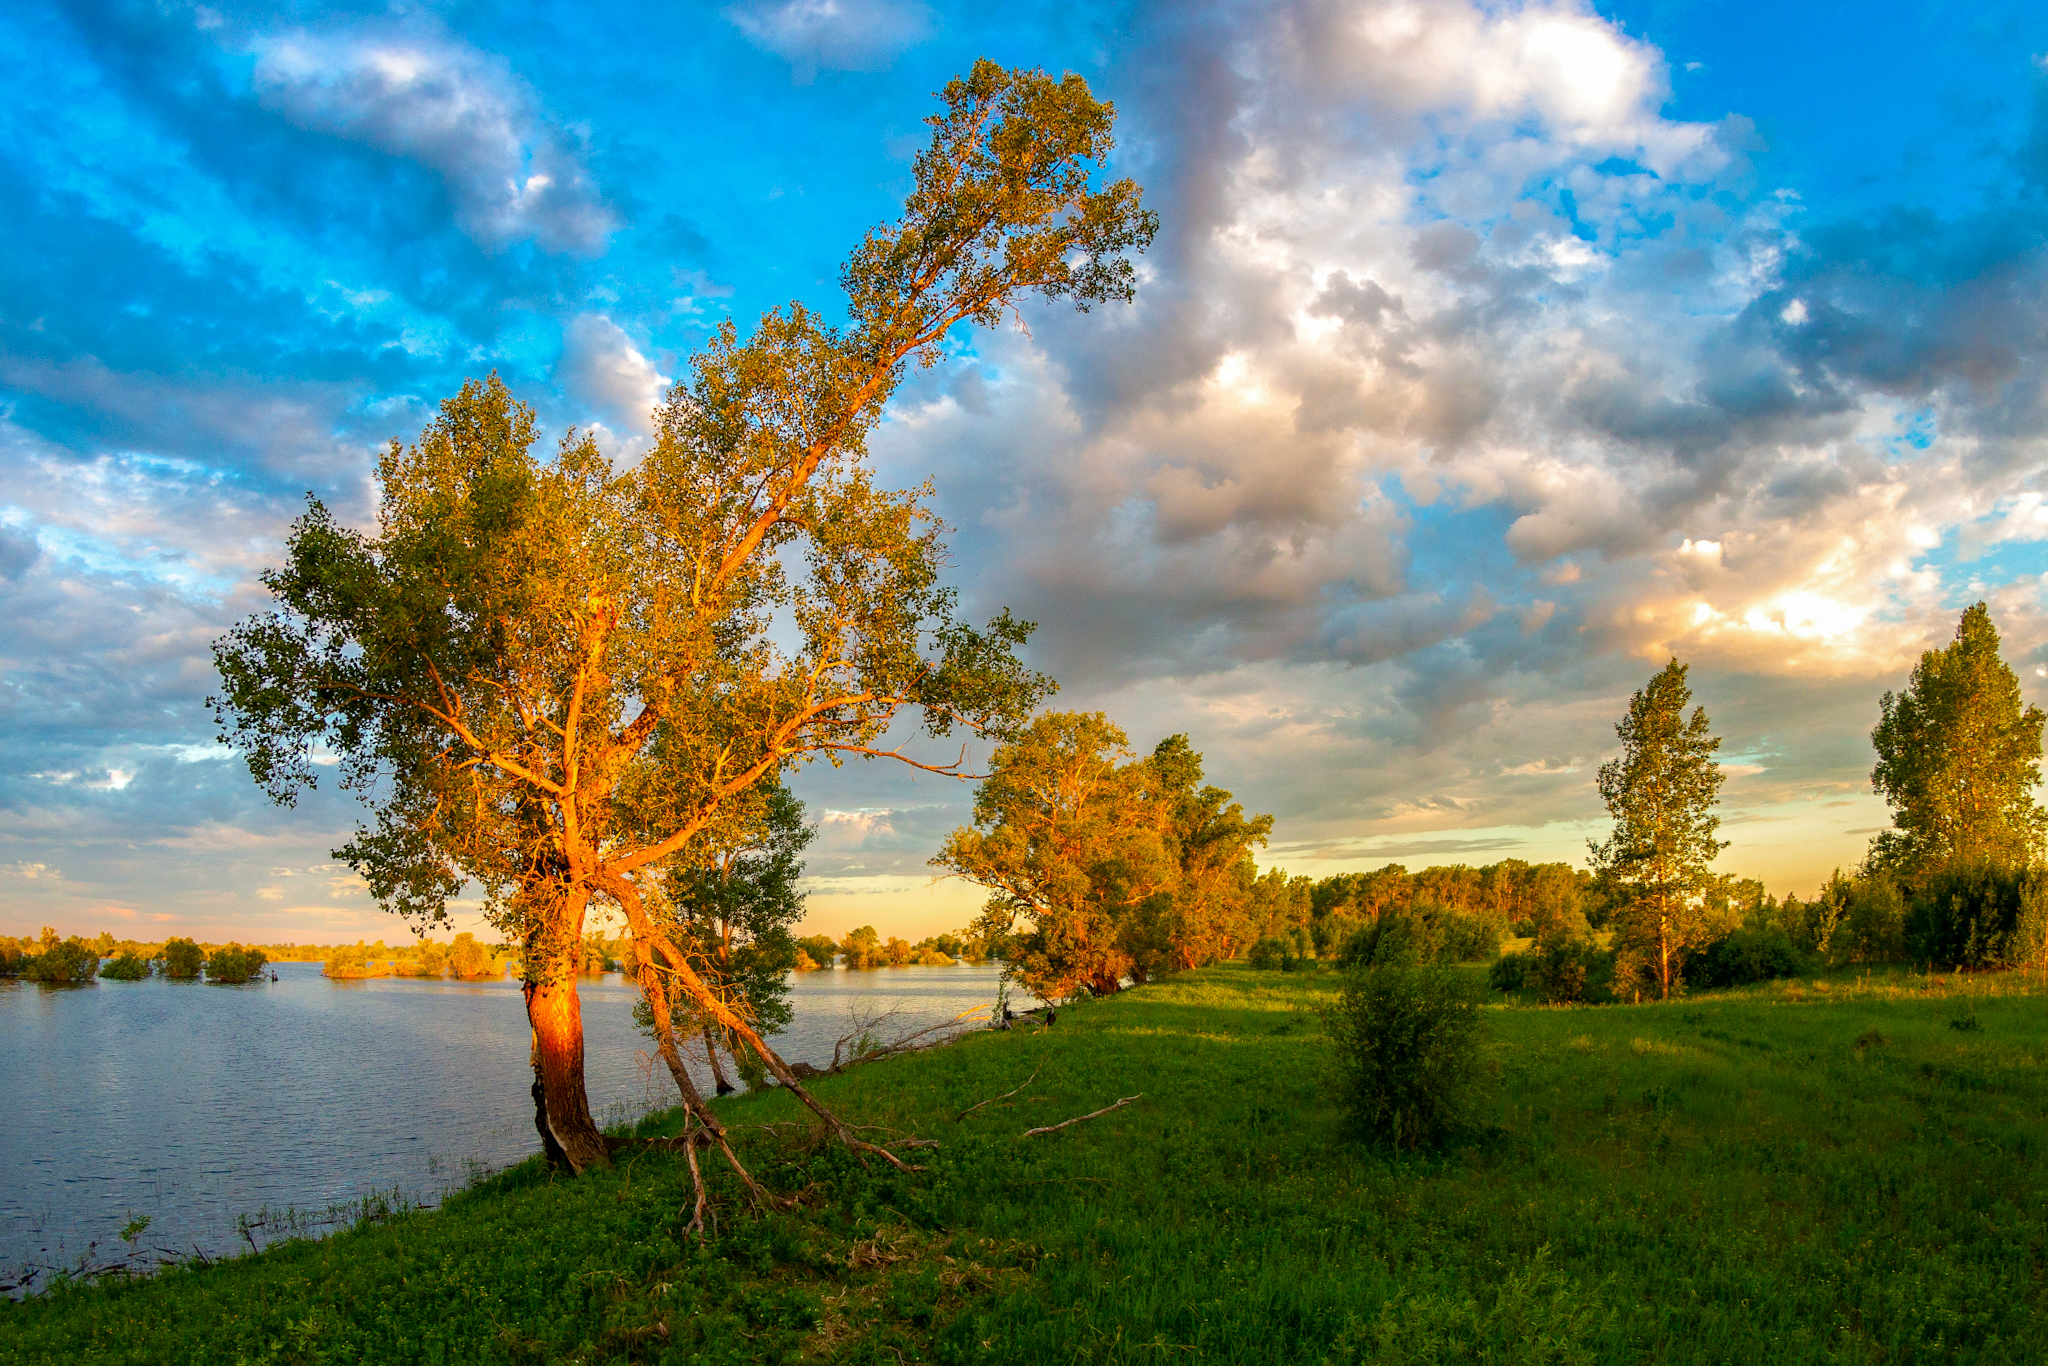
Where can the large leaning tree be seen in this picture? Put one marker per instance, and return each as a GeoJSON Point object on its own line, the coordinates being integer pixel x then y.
{"type": "Point", "coordinates": [551, 677]}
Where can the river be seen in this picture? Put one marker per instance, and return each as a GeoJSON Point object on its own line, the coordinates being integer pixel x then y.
{"type": "Point", "coordinates": [278, 1106]}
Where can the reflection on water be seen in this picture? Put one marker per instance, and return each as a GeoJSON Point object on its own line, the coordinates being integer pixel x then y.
{"type": "Point", "coordinates": [194, 1104]}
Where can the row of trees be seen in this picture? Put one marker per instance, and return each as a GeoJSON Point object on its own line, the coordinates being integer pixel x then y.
{"type": "Point", "coordinates": [1957, 881]}
{"type": "Point", "coordinates": [51, 958]}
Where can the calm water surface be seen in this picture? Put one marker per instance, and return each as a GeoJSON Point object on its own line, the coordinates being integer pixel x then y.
{"type": "Point", "coordinates": [195, 1104]}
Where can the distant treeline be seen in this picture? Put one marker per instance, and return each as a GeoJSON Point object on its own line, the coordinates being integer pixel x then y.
{"type": "Point", "coordinates": [51, 958]}
{"type": "Point", "coordinates": [864, 948]}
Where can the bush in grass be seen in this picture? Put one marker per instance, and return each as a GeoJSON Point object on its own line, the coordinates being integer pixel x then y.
{"type": "Point", "coordinates": [232, 965]}
{"type": "Point", "coordinates": [183, 959]}
{"type": "Point", "coordinates": [1511, 972]}
{"type": "Point", "coordinates": [1407, 1037]}
{"type": "Point", "coordinates": [1746, 956]}
{"type": "Point", "coordinates": [1426, 933]}
{"type": "Point", "coordinates": [129, 967]}
{"type": "Point", "coordinates": [1564, 968]}
{"type": "Point", "coordinates": [1268, 953]}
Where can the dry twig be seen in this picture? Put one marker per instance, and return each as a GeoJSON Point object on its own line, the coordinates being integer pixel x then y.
{"type": "Point", "coordinates": [993, 1099]}
{"type": "Point", "coordinates": [1054, 1128]}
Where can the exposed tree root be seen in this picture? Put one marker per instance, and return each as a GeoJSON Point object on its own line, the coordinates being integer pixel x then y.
{"type": "Point", "coordinates": [648, 939]}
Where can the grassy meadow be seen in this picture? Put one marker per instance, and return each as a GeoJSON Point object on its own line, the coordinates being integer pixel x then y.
{"type": "Point", "coordinates": [1843, 1169]}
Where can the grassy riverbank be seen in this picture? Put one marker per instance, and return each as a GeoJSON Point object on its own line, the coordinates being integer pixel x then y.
{"type": "Point", "coordinates": [1825, 1172]}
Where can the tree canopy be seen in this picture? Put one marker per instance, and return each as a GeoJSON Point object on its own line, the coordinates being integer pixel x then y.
{"type": "Point", "coordinates": [1121, 866]}
{"type": "Point", "coordinates": [1958, 758]}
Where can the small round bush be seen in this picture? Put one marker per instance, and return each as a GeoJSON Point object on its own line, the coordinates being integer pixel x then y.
{"type": "Point", "coordinates": [1510, 972]}
{"type": "Point", "coordinates": [1267, 953]}
{"type": "Point", "coordinates": [1407, 1037]}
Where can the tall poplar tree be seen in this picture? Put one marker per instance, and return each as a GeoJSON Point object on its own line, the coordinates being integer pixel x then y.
{"type": "Point", "coordinates": [1958, 758]}
{"type": "Point", "coordinates": [1661, 792]}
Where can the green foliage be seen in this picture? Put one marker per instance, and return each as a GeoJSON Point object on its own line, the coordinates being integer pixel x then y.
{"type": "Point", "coordinates": [1425, 932]}
{"type": "Point", "coordinates": [1661, 792]}
{"type": "Point", "coordinates": [182, 959]}
{"type": "Point", "coordinates": [1977, 915]}
{"type": "Point", "coordinates": [1744, 957]}
{"type": "Point", "coordinates": [1407, 1040]}
{"type": "Point", "coordinates": [730, 902]}
{"type": "Point", "coordinates": [1511, 972]}
{"type": "Point", "coordinates": [62, 960]}
{"type": "Point", "coordinates": [1268, 953]}
{"type": "Point", "coordinates": [232, 964]}
{"type": "Point", "coordinates": [1731, 1180]}
{"type": "Point", "coordinates": [1958, 759]}
{"type": "Point", "coordinates": [127, 967]}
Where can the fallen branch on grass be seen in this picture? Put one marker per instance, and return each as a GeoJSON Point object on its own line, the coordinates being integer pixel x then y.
{"type": "Point", "coordinates": [1055, 1128]}
{"type": "Point", "coordinates": [993, 1099]}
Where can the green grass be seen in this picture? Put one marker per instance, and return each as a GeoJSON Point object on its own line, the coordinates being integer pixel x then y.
{"type": "Point", "coordinates": [1801, 1172]}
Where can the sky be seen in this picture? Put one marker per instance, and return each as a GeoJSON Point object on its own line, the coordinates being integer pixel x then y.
{"type": "Point", "coordinates": [1489, 355]}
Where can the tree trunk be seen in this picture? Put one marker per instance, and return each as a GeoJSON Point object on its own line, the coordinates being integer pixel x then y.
{"type": "Point", "coordinates": [557, 1018]}
{"type": "Point", "coordinates": [557, 1159]}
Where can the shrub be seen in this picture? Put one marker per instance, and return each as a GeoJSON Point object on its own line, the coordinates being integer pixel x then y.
{"type": "Point", "coordinates": [1407, 1037]}
{"type": "Point", "coordinates": [1973, 915]}
{"type": "Point", "coordinates": [72, 960]}
{"type": "Point", "coordinates": [183, 959]}
{"type": "Point", "coordinates": [1511, 972]}
{"type": "Point", "coordinates": [12, 958]}
{"type": "Point", "coordinates": [1746, 956]}
{"type": "Point", "coordinates": [1562, 969]}
{"type": "Point", "coordinates": [1426, 933]}
{"type": "Point", "coordinates": [233, 965]}
{"type": "Point", "coordinates": [129, 967]}
{"type": "Point", "coordinates": [1267, 954]}
{"type": "Point", "coordinates": [821, 949]}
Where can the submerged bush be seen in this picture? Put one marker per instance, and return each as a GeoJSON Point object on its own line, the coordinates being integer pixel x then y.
{"type": "Point", "coordinates": [72, 960]}
{"type": "Point", "coordinates": [183, 959]}
{"type": "Point", "coordinates": [129, 967]}
{"type": "Point", "coordinates": [1407, 1037]}
{"type": "Point", "coordinates": [234, 965]}
{"type": "Point", "coordinates": [469, 961]}
{"type": "Point", "coordinates": [350, 960]}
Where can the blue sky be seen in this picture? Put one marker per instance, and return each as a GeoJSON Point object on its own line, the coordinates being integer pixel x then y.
{"type": "Point", "coordinates": [1489, 354]}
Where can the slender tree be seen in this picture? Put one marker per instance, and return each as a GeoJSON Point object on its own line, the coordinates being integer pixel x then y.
{"type": "Point", "coordinates": [549, 677]}
{"type": "Point", "coordinates": [730, 903]}
{"type": "Point", "coordinates": [1661, 792]}
{"type": "Point", "coordinates": [1958, 758]}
